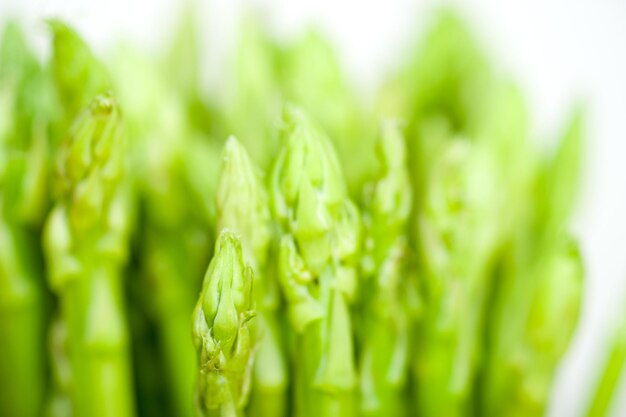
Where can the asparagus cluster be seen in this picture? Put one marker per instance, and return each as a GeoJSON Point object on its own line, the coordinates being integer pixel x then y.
{"type": "Point", "coordinates": [413, 258]}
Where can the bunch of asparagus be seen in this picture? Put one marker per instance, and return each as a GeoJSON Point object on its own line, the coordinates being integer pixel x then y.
{"type": "Point", "coordinates": [411, 258]}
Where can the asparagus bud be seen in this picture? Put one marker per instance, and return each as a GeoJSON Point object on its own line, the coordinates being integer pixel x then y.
{"type": "Point", "coordinates": [221, 331]}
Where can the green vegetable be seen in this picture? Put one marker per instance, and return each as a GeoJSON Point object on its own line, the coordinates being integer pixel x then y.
{"type": "Point", "coordinates": [384, 343]}
{"type": "Point", "coordinates": [459, 233]}
{"type": "Point", "coordinates": [243, 207]}
{"type": "Point", "coordinates": [79, 76]}
{"type": "Point", "coordinates": [537, 299]}
{"type": "Point", "coordinates": [319, 245]}
{"type": "Point", "coordinates": [221, 331]}
{"type": "Point", "coordinates": [423, 268]}
{"type": "Point", "coordinates": [86, 245]}
{"type": "Point", "coordinates": [520, 371]}
{"type": "Point", "coordinates": [252, 107]}
{"type": "Point", "coordinates": [175, 234]}
{"type": "Point", "coordinates": [23, 200]}
{"type": "Point", "coordinates": [313, 78]}
{"type": "Point", "coordinates": [609, 378]}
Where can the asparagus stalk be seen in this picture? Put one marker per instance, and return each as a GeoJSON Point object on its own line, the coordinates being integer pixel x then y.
{"type": "Point", "coordinates": [22, 370]}
{"type": "Point", "coordinates": [79, 75]}
{"type": "Point", "coordinates": [459, 233]}
{"type": "Point", "coordinates": [520, 373]}
{"type": "Point", "coordinates": [243, 207]}
{"type": "Point", "coordinates": [85, 243]}
{"type": "Point", "coordinates": [319, 244]}
{"type": "Point", "coordinates": [221, 332]}
{"type": "Point", "coordinates": [23, 200]}
{"type": "Point", "coordinates": [313, 77]}
{"type": "Point", "coordinates": [384, 355]}
{"type": "Point", "coordinates": [537, 299]}
{"type": "Point", "coordinates": [609, 378]}
{"type": "Point", "coordinates": [254, 97]}
{"type": "Point", "coordinates": [174, 183]}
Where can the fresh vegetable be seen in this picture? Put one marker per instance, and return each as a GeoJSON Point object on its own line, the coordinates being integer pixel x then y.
{"type": "Point", "coordinates": [408, 257]}
{"type": "Point", "coordinates": [25, 114]}
{"type": "Point", "coordinates": [609, 377]}
{"type": "Point", "coordinates": [86, 245]}
{"type": "Point", "coordinates": [319, 244]}
{"type": "Point", "coordinates": [243, 207]}
{"type": "Point", "coordinates": [221, 331]}
{"type": "Point", "coordinates": [386, 317]}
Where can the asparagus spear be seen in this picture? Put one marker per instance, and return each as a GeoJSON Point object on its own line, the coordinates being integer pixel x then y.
{"type": "Point", "coordinates": [253, 103]}
{"type": "Point", "coordinates": [22, 372]}
{"type": "Point", "coordinates": [609, 378]}
{"type": "Point", "coordinates": [384, 352]}
{"type": "Point", "coordinates": [519, 379]}
{"type": "Point", "coordinates": [319, 245]}
{"type": "Point", "coordinates": [79, 75]}
{"type": "Point", "coordinates": [447, 75]}
{"type": "Point", "coordinates": [175, 170]}
{"type": "Point", "coordinates": [538, 294]}
{"type": "Point", "coordinates": [243, 207]}
{"type": "Point", "coordinates": [85, 243]}
{"type": "Point", "coordinates": [221, 331]}
{"type": "Point", "coordinates": [459, 233]}
{"type": "Point", "coordinates": [24, 115]}
{"type": "Point", "coordinates": [313, 77]}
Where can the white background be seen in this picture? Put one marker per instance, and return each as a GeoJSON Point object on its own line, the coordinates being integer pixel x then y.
{"type": "Point", "coordinates": [558, 50]}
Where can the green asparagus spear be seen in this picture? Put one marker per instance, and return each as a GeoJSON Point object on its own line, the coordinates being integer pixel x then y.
{"type": "Point", "coordinates": [313, 77]}
{"type": "Point", "coordinates": [384, 344]}
{"type": "Point", "coordinates": [24, 116]}
{"type": "Point", "coordinates": [221, 332]}
{"type": "Point", "coordinates": [611, 373]}
{"type": "Point", "coordinates": [318, 249]}
{"type": "Point", "coordinates": [86, 243]}
{"type": "Point", "coordinates": [538, 292]}
{"type": "Point", "coordinates": [22, 371]}
{"type": "Point", "coordinates": [459, 233]}
{"type": "Point", "coordinates": [174, 173]}
{"type": "Point", "coordinates": [243, 207]}
{"type": "Point", "coordinates": [27, 98]}
{"type": "Point", "coordinates": [447, 76]}
{"type": "Point", "coordinates": [521, 369]}
{"type": "Point", "coordinates": [253, 103]}
{"type": "Point", "coordinates": [79, 75]}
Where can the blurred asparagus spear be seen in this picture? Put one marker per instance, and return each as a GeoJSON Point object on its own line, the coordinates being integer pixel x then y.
{"type": "Point", "coordinates": [23, 370]}
{"type": "Point", "coordinates": [171, 160]}
{"type": "Point", "coordinates": [319, 246]}
{"type": "Point", "coordinates": [609, 377]}
{"type": "Point", "coordinates": [384, 344]}
{"type": "Point", "coordinates": [243, 207]}
{"type": "Point", "coordinates": [221, 332]}
{"type": "Point", "coordinates": [25, 115]}
{"type": "Point", "coordinates": [312, 76]}
{"type": "Point", "coordinates": [442, 91]}
{"type": "Point", "coordinates": [538, 292]}
{"type": "Point", "coordinates": [86, 243]}
{"type": "Point", "coordinates": [446, 75]}
{"type": "Point", "coordinates": [459, 233]}
{"type": "Point", "coordinates": [79, 75]}
{"type": "Point", "coordinates": [182, 67]}
{"type": "Point", "coordinates": [253, 103]}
